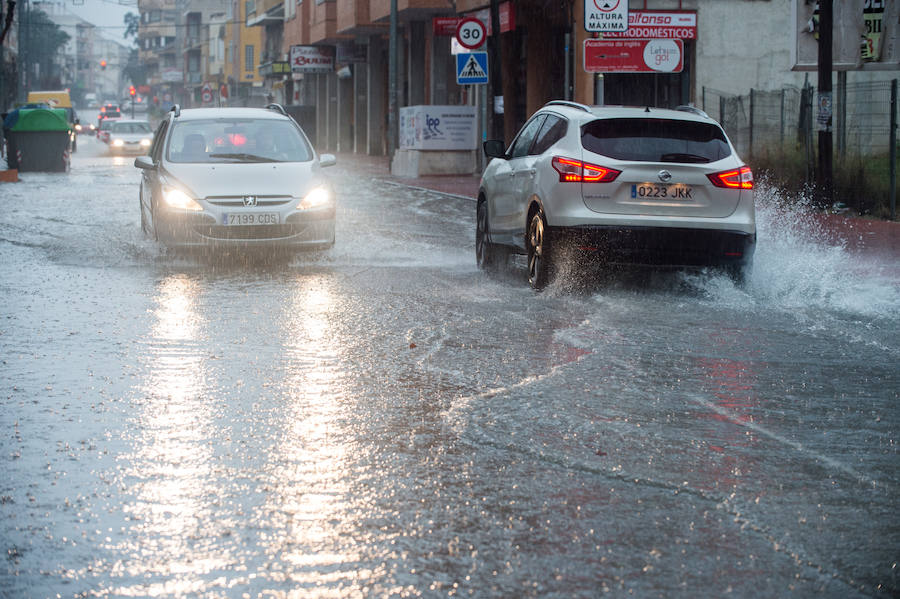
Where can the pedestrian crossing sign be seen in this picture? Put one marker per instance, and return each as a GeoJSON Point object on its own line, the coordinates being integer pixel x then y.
{"type": "Point", "coordinates": [471, 68]}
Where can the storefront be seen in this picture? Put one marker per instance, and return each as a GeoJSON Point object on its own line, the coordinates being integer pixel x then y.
{"type": "Point", "coordinates": [650, 64]}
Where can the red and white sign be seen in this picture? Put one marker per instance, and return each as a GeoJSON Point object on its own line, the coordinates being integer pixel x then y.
{"type": "Point", "coordinates": [633, 56]}
{"type": "Point", "coordinates": [657, 24]}
{"type": "Point", "coordinates": [312, 59]}
{"type": "Point", "coordinates": [507, 14]}
{"type": "Point", "coordinates": [605, 15]}
{"type": "Point", "coordinates": [471, 33]}
{"type": "Point", "coordinates": [444, 26]}
{"type": "Point", "coordinates": [206, 94]}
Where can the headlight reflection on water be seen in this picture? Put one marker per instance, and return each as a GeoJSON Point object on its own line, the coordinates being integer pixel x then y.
{"type": "Point", "coordinates": [169, 470]}
{"type": "Point", "coordinates": [308, 462]}
{"type": "Point", "coordinates": [239, 475]}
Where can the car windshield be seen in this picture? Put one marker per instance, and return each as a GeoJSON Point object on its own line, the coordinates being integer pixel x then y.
{"type": "Point", "coordinates": [237, 140]}
{"type": "Point", "coordinates": [130, 127]}
{"type": "Point", "coordinates": [656, 140]}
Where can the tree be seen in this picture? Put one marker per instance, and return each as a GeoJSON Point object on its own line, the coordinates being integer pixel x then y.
{"type": "Point", "coordinates": [134, 70]}
{"type": "Point", "coordinates": [39, 48]}
{"type": "Point", "coordinates": [132, 22]}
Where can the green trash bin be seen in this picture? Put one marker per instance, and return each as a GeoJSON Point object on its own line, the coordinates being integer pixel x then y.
{"type": "Point", "coordinates": [37, 139]}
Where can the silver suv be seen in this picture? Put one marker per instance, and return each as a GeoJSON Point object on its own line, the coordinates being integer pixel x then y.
{"type": "Point", "coordinates": [642, 186]}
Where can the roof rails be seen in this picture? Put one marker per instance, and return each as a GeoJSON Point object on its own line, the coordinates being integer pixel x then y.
{"type": "Point", "coordinates": [578, 105]}
{"type": "Point", "coordinates": [277, 108]}
{"type": "Point", "coordinates": [691, 109]}
{"type": "Point", "coordinates": [176, 108]}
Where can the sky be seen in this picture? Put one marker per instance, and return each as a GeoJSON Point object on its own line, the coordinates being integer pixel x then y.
{"type": "Point", "coordinates": [108, 14]}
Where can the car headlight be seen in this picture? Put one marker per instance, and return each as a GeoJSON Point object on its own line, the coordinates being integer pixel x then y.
{"type": "Point", "coordinates": [78, 128]}
{"type": "Point", "coordinates": [118, 143]}
{"type": "Point", "coordinates": [319, 196]}
{"type": "Point", "coordinates": [145, 143]}
{"type": "Point", "coordinates": [175, 198]}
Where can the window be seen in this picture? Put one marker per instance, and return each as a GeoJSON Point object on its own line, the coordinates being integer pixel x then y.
{"type": "Point", "coordinates": [526, 136]}
{"type": "Point", "coordinates": [554, 129]}
{"type": "Point", "coordinates": [250, 8]}
{"type": "Point", "coordinates": [249, 64]}
{"type": "Point", "coordinates": [656, 140]}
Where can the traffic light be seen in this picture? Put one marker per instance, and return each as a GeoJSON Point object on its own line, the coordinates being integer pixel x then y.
{"type": "Point", "coordinates": [131, 91]}
{"type": "Point", "coordinates": [103, 64]}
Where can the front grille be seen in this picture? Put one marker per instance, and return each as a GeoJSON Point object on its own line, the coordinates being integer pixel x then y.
{"type": "Point", "coordinates": [254, 232]}
{"type": "Point", "coordinates": [238, 201]}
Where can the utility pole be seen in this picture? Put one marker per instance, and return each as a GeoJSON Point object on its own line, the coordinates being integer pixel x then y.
{"type": "Point", "coordinates": [392, 84]}
{"type": "Point", "coordinates": [496, 71]}
{"type": "Point", "coordinates": [824, 174]}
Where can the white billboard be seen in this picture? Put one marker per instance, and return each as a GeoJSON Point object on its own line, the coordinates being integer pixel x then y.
{"type": "Point", "coordinates": [438, 128]}
{"type": "Point", "coordinates": [866, 35]}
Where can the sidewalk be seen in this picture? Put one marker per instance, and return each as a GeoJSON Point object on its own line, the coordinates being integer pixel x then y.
{"type": "Point", "coordinates": [379, 166]}
{"type": "Point", "coordinates": [859, 234]}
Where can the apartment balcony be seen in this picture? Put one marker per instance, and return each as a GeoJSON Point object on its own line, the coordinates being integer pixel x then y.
{"type": "Point", "coordinates": [269, 12]}
{"type": "Point", "coordinates": [276, 69]}
{"type": "Point", "coordinates": [323, 22]}
{"type": "Point", "coordinates": [353, 18]}
{"type": "Point", "coordinates": [410, 10]}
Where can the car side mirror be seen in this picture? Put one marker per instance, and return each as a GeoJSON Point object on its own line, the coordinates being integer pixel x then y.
{"type": "Point", "coordinates": [144, 162]}
{"type": "Point", "coordinates": [327, 160]}
{"type": "Point", "coordinates": [494, 148]}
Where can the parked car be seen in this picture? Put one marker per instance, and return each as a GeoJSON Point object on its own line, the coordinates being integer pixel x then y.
{"type": "Point", "coordinates": [235, 178]}
{"type": "Point", "coordinates": [129, 136]}
{"type": "Point", "coordinates": [641, 186]}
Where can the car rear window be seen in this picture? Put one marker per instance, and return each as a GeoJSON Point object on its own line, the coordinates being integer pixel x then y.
{"type": "Point", "coordinates": [656, 140]}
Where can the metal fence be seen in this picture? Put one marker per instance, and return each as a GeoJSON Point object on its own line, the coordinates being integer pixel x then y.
{"type": "Point", "coordinates": [779, 127]}
{"type": "Point", "coordinates": [771, 122]}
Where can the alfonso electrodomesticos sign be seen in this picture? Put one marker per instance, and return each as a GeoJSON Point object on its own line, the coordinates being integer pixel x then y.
{"type": "Point", "coordinates": [312, 59]}
{"type": "Point", "coordinates": [658, 24]}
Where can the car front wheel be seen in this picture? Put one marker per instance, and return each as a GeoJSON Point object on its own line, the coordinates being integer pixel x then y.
{"type": "Point", "coordinates": [540, 259]}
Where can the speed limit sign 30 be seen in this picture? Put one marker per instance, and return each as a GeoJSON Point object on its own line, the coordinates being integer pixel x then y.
{"type": "Point", "coordinates": [470, 33]}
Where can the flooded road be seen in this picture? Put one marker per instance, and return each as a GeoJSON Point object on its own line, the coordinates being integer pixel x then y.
{"type": "Point", "coordinates": [384, 420]}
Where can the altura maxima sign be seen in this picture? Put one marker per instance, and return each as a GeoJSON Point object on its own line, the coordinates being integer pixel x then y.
{"type": "Point", "coordinates": [605, 15]}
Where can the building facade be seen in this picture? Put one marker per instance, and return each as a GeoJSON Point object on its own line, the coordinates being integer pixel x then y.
{"type": "Point", "coordinates": [543, 50]}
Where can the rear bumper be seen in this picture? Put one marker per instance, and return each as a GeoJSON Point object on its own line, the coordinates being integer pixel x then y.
{"type": "Point", "coordinates": [659, 246]}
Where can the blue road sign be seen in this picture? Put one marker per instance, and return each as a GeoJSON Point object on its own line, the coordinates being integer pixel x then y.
{"type": "Point", "coordinates": [471, 68]}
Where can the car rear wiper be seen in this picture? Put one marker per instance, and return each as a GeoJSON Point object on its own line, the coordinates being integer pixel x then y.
{"type": "Point", "coordinates": [244, 156]}
{"type": "Point", "coordinates": [683, 158]}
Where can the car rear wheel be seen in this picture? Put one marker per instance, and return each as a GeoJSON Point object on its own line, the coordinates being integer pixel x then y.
{"type": "Point", "coordinates": [486, 254]}
{"type": "Point", "coordinates": [540, 258]}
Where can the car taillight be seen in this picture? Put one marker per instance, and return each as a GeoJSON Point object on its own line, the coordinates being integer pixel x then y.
{"type": "Point", "coordinates": [576, 171]}
{"type": "Point", "coordinates": [741, 178]}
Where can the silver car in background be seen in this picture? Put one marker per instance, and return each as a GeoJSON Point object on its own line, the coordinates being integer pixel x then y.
{"type": "Point", "coordinates": [639, 186]}
{"type": "Point", "coordinates": [129, 137]}
{"type": "Point", "coordinates": [235, 178]}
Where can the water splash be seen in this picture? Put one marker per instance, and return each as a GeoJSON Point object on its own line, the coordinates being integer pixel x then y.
{"type": "Point", "coordinates": [803, 265]}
